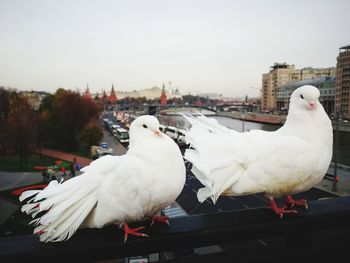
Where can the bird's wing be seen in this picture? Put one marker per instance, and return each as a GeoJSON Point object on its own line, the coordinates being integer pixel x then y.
{"type": "Point", "coordinates": [217, 162]}
{"type": "Point", "coordinates": [102, 165]}
{"type": "Point", "coordinates": [69, 203]}
{"type": "Point", "coordinates": [129, 194]}
{"type": "Point", "coordinates": [209, 124]}
{"type": "Point", "coordinates": [281, 165]}
{"type": "Point", "coordinates": [224, 159]}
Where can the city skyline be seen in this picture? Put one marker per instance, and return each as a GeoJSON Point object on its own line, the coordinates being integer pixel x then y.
{"type": "Point", "coordinates": [200, 46]}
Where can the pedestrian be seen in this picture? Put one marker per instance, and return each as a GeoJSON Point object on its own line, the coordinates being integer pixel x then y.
{"type": "Point", "coordinates": [73, 167]}
{"type": "Point", "coordinates": [46, 177]}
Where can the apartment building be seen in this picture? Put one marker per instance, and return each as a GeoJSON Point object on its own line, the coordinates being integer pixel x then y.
{"type": "Point", "coordinates": [326, 85]}
{"type": "Point", "coordinates": [342, 94]}
{"type": "Point", "coordinates": [282, 73]}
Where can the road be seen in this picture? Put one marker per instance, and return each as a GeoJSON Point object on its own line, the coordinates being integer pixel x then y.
{"type": "Point", "coordinates": [118, 148]}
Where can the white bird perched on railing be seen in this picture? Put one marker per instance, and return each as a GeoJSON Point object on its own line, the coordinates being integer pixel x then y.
{"type": "Point", "coordinates": [113, 189]}
{"type": "Point", "coordinates": [281, 163]}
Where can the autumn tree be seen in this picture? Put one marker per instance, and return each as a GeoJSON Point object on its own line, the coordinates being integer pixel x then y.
{"type": "Point", "coordinates": [46, 121]}
{"type": "Point", "coordinates": [91, 134]}
{"type": "Point", "coordinates": [4, 112]}
{"type": "Point", "coordinates": [22, 125]}
{"type": "Point", "coordinates": [71, 113]}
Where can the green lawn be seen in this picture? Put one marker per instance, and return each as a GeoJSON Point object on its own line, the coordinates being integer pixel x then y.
{"type": "Point", "coordinates": [11, 164]}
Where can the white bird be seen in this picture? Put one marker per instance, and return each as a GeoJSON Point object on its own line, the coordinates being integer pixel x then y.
{"type": "Point", "coordinates": [113, 189]}
{"type": "Point", "coordinates": [281, 163]}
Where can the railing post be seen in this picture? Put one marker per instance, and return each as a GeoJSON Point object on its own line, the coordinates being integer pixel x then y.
{"type": "Point", "coordinates": [336, 147]}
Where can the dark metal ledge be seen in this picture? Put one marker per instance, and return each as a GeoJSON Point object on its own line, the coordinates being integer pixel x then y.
{"type": "Point", "coordinates": [183, 233]}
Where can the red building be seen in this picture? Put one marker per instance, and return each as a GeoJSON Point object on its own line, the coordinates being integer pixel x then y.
{"type": "Point", "coordinates": [198, 102]}
{"type": "Point", "coordinates": [163, 99]}
{"type": "Point", "coordinates": [112, 97]}
{"type": "Point", "coordinates": [87, 94]}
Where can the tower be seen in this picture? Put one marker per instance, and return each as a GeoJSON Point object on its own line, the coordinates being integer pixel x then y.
{"type": "Point", "coordinates": [87, 93]}
{"type": "Point", "coordinates": [112, 97]}
{"type": "Point", "coordinates": [163, 98]}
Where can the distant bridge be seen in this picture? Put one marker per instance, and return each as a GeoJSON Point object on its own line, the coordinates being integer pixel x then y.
{"type": "Point", "coordinates": [175, 110]}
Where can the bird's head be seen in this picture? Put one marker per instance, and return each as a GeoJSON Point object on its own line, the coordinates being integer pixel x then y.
{"type": "Point", "coordinates": [145, 126]}
{"type": "Point", "coordinates": [305, 97]}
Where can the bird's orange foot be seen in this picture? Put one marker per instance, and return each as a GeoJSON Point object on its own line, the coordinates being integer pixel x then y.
{"type": "Point", "coordinates": [132, 231]}
{"type": "Point", "coordinates": [161, 219]}
{"type": "Point", "coordinates": [301, 203]}
{"type": "Point", "coordinates": [281, 210]}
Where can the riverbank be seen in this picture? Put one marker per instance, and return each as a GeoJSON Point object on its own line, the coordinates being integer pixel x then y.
{"type": "Point", "coordinates": [273, 119]}
{"type": "Point", "coordinates": [255, 117]}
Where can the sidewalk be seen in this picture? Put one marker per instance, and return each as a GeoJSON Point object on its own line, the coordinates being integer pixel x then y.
{"type": "Point", "coordinates": [342, 187]}
{"type": "Point", "coordinates": [10, 180]}
{"type": "Point", "coordinates": [66, 156]}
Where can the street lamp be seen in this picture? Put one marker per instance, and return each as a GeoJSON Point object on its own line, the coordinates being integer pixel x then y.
{"type": "Point", "coordinates": [336, 145]}
{"type": "Point", "coordinates": [244, 112]}
{"type": "Point", "coordinates": [243, 118]}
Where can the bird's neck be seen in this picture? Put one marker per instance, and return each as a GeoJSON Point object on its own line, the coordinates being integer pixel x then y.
{"type": "Point", "coordinates": [146, 147]}
{"type": "Point", "coordinates": [307, 117]}
{"type": "Point", "coordinates": [309, 125]}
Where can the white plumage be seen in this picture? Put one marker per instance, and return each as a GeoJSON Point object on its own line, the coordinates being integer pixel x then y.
{"type": "Point", "coordinates": [281, 163]}
{"type": "Point", "coordinates": [113, 189]}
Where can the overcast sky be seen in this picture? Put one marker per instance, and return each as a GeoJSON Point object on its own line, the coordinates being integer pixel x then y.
{"type": "Point", "coordinates": [200, 46]}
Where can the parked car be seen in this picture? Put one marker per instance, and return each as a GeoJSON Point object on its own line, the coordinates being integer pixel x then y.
{"type": "Point", "coordinates": [110, 124]}
{"type": "Point", "coordinates": [113, 129]}
{"type": "Point", "coordinates": [181, 141]}
{"type": "Point", "coordinates": [115, 126]}
{"type": "Point", "coordinates": [105, 123]}
{"type": "Point", "coordinates": [177, 134]}
{"type": "Point", "coordinates": [162, 128]}
{"type": "Point", "coordinates": [98, 151]}
{"type": "Point", "coordinates": [171, 131]}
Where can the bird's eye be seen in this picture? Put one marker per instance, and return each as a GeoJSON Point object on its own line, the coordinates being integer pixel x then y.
{"type": "Point", "coordinates": [301, 96]}
{"type": "Point", "coordinates": [144, 126]}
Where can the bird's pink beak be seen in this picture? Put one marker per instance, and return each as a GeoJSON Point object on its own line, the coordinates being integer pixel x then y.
{"type": "Point", "coordinates": [313, 105]}
{"type": "Point", "coordinates": [158, 133]}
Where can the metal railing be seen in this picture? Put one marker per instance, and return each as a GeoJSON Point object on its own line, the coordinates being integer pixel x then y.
{"type": "Point", "coordinates": [186, 233]}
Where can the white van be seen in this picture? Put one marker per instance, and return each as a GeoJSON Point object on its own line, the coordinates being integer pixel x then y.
{"type": "Point", "coordinates": [122, 135]}
{"type": "Point", "coordinates": [162, 128]}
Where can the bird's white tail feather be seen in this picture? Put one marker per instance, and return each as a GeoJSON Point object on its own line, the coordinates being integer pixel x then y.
{"type": "Point", "coordinates": [58, 205]}
{"type": "Point", "coordinates": [66, 205]}
{"type": "Point", "coordinates": [209, 124]}
{"type": "Point", "coordinates": [30, 193]}
{"type": "Point", "coordinates": [203, 194]}
{"type": "Point", "coordinates": [59, 200]}
{"type": "Point", "coordinates": [216, 173]}
{"type": "Point", "coordinates": [215, 176]}
{"type": "Point", "coordinates": [28, 208]}
{"type": "Point", "coordinates": [219, 182]}
{"type": "Point", "coordinates": [60, 188]}
{"type": "Point", "coordinates": [68, 222]}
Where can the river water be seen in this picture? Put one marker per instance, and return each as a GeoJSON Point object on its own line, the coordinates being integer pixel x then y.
{"type": "Point", "coordinates": [343, 147]}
